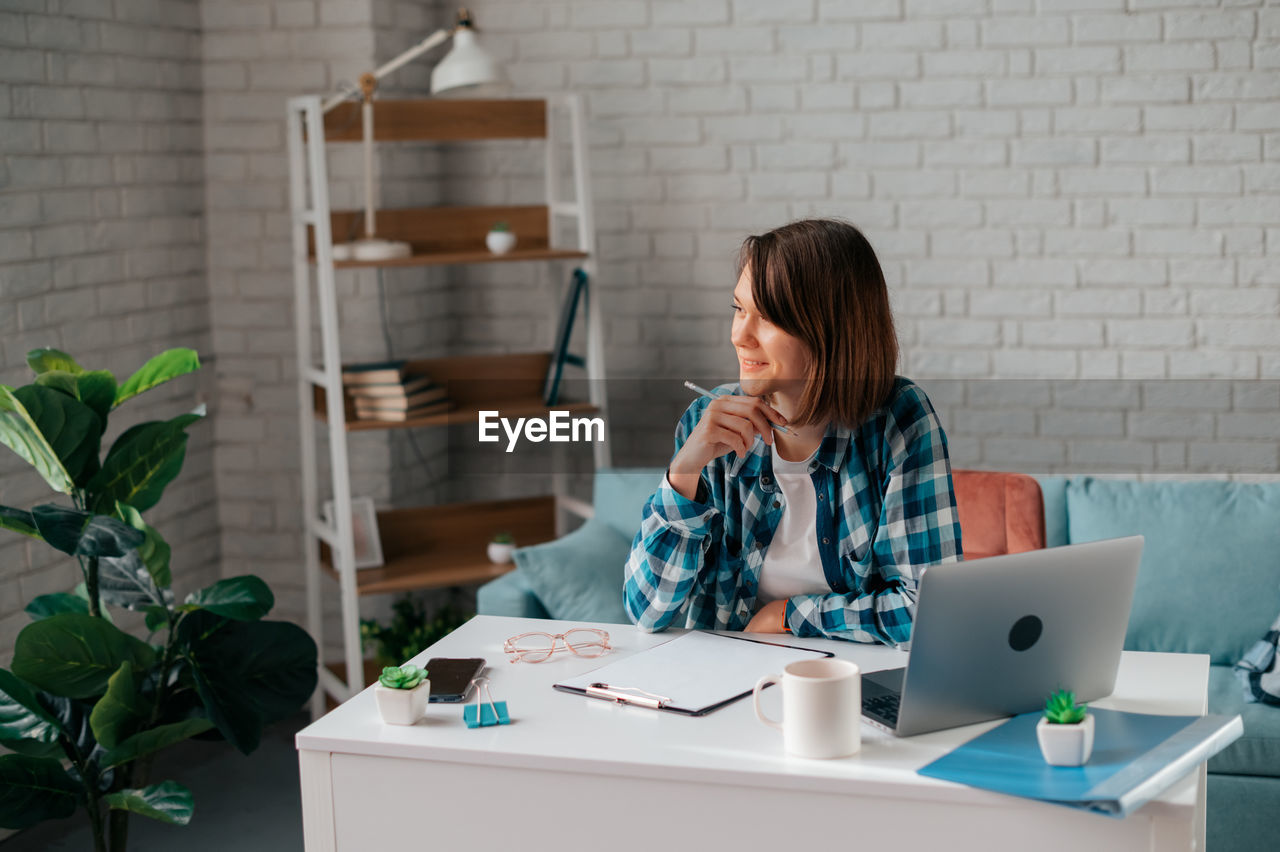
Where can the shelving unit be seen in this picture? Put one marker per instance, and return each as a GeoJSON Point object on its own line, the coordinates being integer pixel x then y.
{"type": "Point", "coordinates": [430, 546]}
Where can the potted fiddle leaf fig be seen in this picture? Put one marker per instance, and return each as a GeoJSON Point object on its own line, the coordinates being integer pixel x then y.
{"type": "Point", "coordinates": [86, 706]}
{"type": "Point", "coordinates": [402, 693]}
{"type": "Point", "coordinates": [1065, 732]}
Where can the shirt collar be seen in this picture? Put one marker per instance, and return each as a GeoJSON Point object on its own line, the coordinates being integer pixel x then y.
{"type": "Point", "coordinates": [831, 453]}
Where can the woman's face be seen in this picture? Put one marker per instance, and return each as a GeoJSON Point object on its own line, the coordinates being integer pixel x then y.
{"type": "Point", "coordinates": [770, 361]}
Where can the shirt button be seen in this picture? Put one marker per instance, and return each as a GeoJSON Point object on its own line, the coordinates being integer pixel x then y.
{"type": "Point", "coordinates": [777, 504]}
{"type": "Point", "coordinates": [759, 544]}
{"type": "Point", "coordinates": [764, 480]}
{"type": "Point", "coordinates": [826, 541]}
{"type": "Point", "coordinates": [821, 497]}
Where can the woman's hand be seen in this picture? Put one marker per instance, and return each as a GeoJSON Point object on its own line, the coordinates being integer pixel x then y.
{"type": "Point", "coordinates": [729, 424]}
{"type": "Point", "coordinates": [770, 618]}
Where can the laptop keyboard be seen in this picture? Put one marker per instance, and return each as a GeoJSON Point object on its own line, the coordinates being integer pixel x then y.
{"type": "Point", "coordinates": [883, 706]}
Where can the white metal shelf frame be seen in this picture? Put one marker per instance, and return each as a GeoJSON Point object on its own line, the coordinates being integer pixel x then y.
{"type": "Point", "coordinates": [310, 207]}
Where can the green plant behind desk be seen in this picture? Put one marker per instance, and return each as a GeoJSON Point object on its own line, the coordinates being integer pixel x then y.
{"type": "Point", "coordinates": [87, 705]}
{"type": "Point", "coordinates": [410, 630]}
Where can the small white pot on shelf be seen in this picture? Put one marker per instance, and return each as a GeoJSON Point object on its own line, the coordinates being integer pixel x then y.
{"type": "Point", "coordinates": [1065, 745]}
{"type": "Point", "coordinates": [500, 552]}
{"type": "Point", "coordinates": [402, 706]}
{"type": "Point", "coordinates": [500, 242]}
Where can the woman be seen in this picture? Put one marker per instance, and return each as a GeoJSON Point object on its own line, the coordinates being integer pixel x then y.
{"type": "Point", "coordinates": [822, 529]}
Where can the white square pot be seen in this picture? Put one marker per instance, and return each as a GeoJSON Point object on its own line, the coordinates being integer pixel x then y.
{"type": "Point", "coordinates": [402, 706]}
{"type": "Point", "coordinates": [1065, 745]}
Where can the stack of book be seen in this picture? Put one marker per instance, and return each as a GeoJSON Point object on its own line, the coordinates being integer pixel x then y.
{"type": "Point", "coordinates": [384, 391]}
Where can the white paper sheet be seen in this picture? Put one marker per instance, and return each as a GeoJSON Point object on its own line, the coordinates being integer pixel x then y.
{"type": "Point", "coordinates": [696, 670]}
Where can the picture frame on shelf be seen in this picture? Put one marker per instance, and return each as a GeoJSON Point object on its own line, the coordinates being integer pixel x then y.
{"type": "Point", "coordinates": [560, 354]}
{"type": "Point", "coordinates": [364, 531]}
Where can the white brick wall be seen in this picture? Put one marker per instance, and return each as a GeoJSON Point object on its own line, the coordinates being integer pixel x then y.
{"type": "Point", "coordinates": [102, 246]}
{"type": "Point", "coordinates": [1092, 185]}
{"type": "Point", "coordinates": [1058, 191]}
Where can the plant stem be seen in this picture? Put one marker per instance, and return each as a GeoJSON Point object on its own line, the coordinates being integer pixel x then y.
{"type": "Point", "coordinates": [91, 800]}
{"type": "Point", "coordinates": [119, 820]}
{"type": "Point", "coordinates": [91, 586]}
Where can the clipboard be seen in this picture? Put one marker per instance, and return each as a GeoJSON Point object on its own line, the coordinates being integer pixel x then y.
{"type": "Point", "coordinates": [692, 675]}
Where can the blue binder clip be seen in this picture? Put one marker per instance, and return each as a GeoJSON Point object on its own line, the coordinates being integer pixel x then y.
{"type": "Point", "coordinates": [483, 714]}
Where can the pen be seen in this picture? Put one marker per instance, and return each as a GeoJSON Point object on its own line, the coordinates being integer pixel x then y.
{"type": "Point", "coordinates": [709, 395]}
{"type": "Point", "coordinates": [625, 695]}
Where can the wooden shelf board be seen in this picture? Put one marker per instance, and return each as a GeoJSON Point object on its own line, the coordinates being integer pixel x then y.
{"type": "Point", "coordinates": [431, 547]}
{"type": "Point", "coordinates": [510, 384]}
{"type": "Point", "coordinates": [514, 407]}
{"type": "Point", "coordinates": [440, 120]}
{"type": "Point", "coordinates": [449, 235]}
{"type": "Point", "coordinates": [479, 255]}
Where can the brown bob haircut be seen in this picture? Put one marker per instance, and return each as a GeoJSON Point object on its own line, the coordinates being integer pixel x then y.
{"type": "Point", "coordinates": [819, 281]}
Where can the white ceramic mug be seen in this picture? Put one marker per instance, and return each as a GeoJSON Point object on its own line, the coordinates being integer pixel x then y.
{"type": "Point", "coordinates": [821, 707]}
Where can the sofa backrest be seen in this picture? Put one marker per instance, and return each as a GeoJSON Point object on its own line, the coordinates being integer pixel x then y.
{"type": "Point", "coordinates": [620, 495]}
{"type": "Point", "coordinates": [1210, 576]}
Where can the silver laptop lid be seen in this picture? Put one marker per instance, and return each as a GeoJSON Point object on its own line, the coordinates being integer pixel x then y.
{"type": "Point", "coordinates": [993, 637]}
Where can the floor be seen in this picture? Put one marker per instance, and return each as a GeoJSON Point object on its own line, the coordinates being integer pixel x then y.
{"type": "Point", "coordinates": [243, 803]}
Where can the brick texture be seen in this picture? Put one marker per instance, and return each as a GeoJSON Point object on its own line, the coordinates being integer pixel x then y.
{"type": "Point", "coordinates": [1077, 193]}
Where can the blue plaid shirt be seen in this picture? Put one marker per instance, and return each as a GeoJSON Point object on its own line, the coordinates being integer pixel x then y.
{"type": "Point", "coordinates": [697, 564]}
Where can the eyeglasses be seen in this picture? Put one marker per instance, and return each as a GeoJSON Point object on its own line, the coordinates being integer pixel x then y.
{"type": "Point", "coordinates": [538, 647]}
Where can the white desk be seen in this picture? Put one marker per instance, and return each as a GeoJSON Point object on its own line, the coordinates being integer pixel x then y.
{"type": "Point", "coordinates": [577, 773]}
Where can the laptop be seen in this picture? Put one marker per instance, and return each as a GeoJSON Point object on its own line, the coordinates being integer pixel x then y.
{"type": "Point", "coordinates": [993, 637]}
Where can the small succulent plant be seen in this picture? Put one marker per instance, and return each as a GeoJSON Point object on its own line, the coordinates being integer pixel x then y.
{"type": "Point", "coordinates": [402, 677]}
{"type": "Point", "coordinates": [500, 227]}
{"type": "Point", "coordinates": [503, 538]}
{"type": "Point", "coordinates": [1061, 708]}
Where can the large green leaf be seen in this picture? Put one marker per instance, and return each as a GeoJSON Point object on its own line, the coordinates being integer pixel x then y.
{"type": "Point", "coordinates": [167, 802]}
{"type": "Point", "coordinates": [83, 533]}
{"type": "Point", "coordinates": [60, 380]}
{"type": "Point", "coordinates": [98, 391]}
{"type": "Point", "coordinates": [244, 598]}
{"type": "Point", "coordinates": [155, 739]}
{"type": "Point", "coordinates": [122, 712]}
{"type": "Point", "coordinates": [154, 551]}
{"type": "Point", "coordinates": [45, 606]}
{"type": "Point", "coordinates": [34, 789]}
{"type": "Point", "coordinates": [163, 367]}
{"type": "Point", "coordinates": [18, 521]}
{"type": "Point", "coordinates": [57, 603]}
{"type": "Point", "coordinates": [21, 715]}
{"type": "Point", "coordinates": [249, 673]}
{"type": "Point", "coordinates": [75, 655]}
{"type": "Point", "coordinates": [96, 388]}
{"type": "Point", "coordinates": [124, 581]}
{"type": "Point", "coordinates": [72, 428]}
{"type": "Point", "coordinates": [141, 463]}
{"type": "Point", "coordinates": [20, 433]}
{"type": "Point", "coordinates": [45, 360]}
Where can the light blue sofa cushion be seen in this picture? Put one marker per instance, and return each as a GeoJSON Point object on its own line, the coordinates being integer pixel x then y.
{"type": "Point", "coordinates": [1257, 752]}
{"type": "Point", "coordinates": [1210, 575]}
{"type": "Point", "coordinates": [1054, 491]}
{"type": "Point", "coordinates": [509, 595]}
{"type": "Point", "coordinates": [578, 577]}
{"type": "Point", "coordinates": [620, 495]}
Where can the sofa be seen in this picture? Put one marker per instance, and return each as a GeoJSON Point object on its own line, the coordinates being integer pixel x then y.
{"type": "Point", "coordinates": [1209, 583]}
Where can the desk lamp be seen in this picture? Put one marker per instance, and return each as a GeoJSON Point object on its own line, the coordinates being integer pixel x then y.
{"type": "Point", "coordinates": [465, 66]}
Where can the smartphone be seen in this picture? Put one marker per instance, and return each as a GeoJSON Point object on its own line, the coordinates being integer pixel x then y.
{"type": "Point", "coordinates": [451, 677]}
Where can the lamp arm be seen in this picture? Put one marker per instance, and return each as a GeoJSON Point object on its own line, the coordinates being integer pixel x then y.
{"type": "Point", "coordinates": [435, 39]}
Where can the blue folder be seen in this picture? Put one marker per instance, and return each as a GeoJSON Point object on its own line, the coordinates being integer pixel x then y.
{"type": "Point", "coordinates": [1136, 757]}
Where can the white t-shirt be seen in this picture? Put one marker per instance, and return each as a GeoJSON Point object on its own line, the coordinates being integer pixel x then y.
{"type": "Point", "coordinates": [793, 566]}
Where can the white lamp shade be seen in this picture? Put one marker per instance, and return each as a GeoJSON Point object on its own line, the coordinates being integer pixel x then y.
{"type": "Point", "coordinates": [465, 65]}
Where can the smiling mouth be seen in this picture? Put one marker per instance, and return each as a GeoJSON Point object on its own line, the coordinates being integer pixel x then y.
{"type": "Point", "coordinates": [751, 365]}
